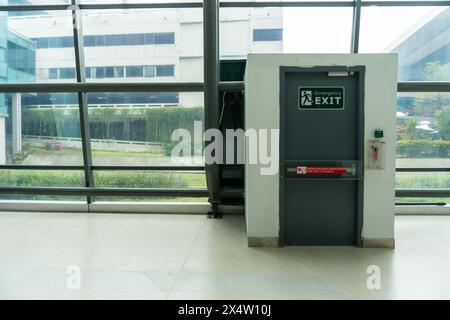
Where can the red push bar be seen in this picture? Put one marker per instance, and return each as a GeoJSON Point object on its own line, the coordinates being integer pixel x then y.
{"type": "Point", "coordinates": [322, 170]}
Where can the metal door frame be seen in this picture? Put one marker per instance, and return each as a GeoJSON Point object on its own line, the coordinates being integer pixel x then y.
{"type": "Point", "coordinates": [360, 70]}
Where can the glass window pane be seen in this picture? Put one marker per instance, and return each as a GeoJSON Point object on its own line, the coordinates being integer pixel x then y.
{"type": "Point", "coordinates": [165, 38]}
{"type": "Point", "coordinates": [109, 72]}
{"type": "Point", "coordinates": [41, 178]}
{"type": "Point", "coordinates": [165, 71]}
{"type": "Point", "coordinates": [89, 41]}
{"type": "Point", "coordinates": [134, 39]}
{"type": "Point", "coordinates": [422, 180]}
{"type": "Point", "coordinates": [67, 73]}
{"type": "Point", "coordinates": [417, 34]}
{"type": "Point", "coordinates": [99, 40]}
{"type": "Point", "coordinates": [317, 30]}
{"type": "Point", "coordinates": [41, 129]}
{"type": "Point", "coordinates": [266, 0]}
{"type": "Point", "coordinates": [174, 37]}
{"type": "Point", "coordinates": [423, 130]}
{"type": "Point", "coordinates": [135, 1]}
{"type": "Point", "coordinates": [53, 73]}
{"type": "Point", "coordinates": [149, 179]}
{"type": "Point", "coordinates": [119, 72]}
{"type": "Point", "coordinates": [115, 40]}
{"type": "Point", "coordinates": [135, 129]}
{"type": "Point", "coordinates": [395, 0]}
{"type": "Point", "coordinates": [290, 30]}
{"type": "Point", "coordinates": [35, 2]}
{"type": "Point", "coordinates": [135, 71]}
{"type": "Point", "coordinates": [54, 42]}
{"type": "Point", "coordinates": [268, 34]}
{"type": "Point", "coordinates": [149, 71]}
{"type": "Point", "coordinates": [100, 72]}
{"type": "Point", "coordinates": [38, 41]}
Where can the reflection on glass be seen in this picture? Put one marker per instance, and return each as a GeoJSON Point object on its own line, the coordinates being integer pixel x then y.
{"type": "Point", "coordinates": [41, 129]}
{"type": "Point", "coordinates": [423, 130]}
{"type": "Point", "coordinates": [143, 45]}
{"type": "Point", "coordinates": [417, 34]}
{"type": "Point", "coordinates": [39, 45]}
{"type": "Point", "coordinates": [135, 129]}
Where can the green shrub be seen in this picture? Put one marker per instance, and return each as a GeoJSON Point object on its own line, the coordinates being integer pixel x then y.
{"type": "Point", "coordinates": [140, 179]}
{"type": "Point", "coordinates": [443, 120]}
{"type": "Point", "coordinates": [415, 180]}
{"type": "Point", "coordinates": [37, 178]}
{"type": "Point", "coordinates": [423, 148]}
{"type": "Point", "coordinates": [150, 124]}
{"type": "Point", "coordinates": [122, 179]}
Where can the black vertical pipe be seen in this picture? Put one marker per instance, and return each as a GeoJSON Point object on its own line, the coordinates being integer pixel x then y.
{"type": "Point", "coordinates": [82, 96]}
{"type": "Point", "coordinates": [211, 90]}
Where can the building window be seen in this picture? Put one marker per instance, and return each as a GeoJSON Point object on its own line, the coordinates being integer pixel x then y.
{"type": "Point", "coordinates": [41, 42]}
{"type": "Point", "coordinates": [53, 73]}
{"type": "Point", "coordinates": [268, 35]}
{"type": "Point", "coordinates": [105, 72]}
{"type": "Point", "coordinates": [165, 38]}
{"type": "Point", "coordinates": [109, 72]}
{"type": "Point", "coordinates": [100, 72]}
{"type": "Point", "coordinates": [118, 72]}
{"type": "Point", "coordinates": [135, 71]}
{"type": "Point", "coordinates": [114, 72]}
{"type": "Point", "coordinates": [54, 42]}
{"type": "Point", "coordinates": [89, 41]}
{"type": "Point", "coordinates": [21, 58]}
{"type": "Point", "coordinates": [113, 40]}
{"type": "Point", "coordinates": [149, 71]}
{"type": "Point", "coordinates": [108, 40]}
{"type": "Point", "coordinates": [134, 39]}
{"type": "Point", "coordinates": [67, 73]}
{"type": "Point", "coordinates": [61, 73]}
{"type": "Point", "coordinates": [165, 71]}
{"type": "Point", "coordinates": [66, 42]}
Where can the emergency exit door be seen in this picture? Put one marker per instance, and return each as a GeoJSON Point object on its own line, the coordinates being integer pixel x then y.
{"type": "Point", "coordinates": [321, 155]}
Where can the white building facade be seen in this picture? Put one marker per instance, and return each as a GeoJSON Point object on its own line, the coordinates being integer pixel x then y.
{"type": "Point", "coordinates": [151, 45]}
{"type": "Point", "coordinates": [139, 45]}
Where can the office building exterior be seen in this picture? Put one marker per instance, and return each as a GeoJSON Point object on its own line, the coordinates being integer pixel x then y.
{"type": "Point", "coordinates": [145, 45]}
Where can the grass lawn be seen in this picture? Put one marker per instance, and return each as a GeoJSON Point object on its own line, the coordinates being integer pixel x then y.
{"type": "Point", "coordinates": [423, 180]}
{"type": "Point", "coordinates": [446, 200]}
{"type": "Point", "coordinates": [194, 180]}
{"type": "Point", "coordinates": [97, 153]}
{"type": "Point", "coordinates": [102, 153]}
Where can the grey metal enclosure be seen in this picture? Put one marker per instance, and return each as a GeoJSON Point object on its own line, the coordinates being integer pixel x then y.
{"type": "Point", "coordinates": [321, 155]}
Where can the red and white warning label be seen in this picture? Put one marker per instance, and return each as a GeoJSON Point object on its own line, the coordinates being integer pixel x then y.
{"type": "Point", "coordinates": [321, 170]}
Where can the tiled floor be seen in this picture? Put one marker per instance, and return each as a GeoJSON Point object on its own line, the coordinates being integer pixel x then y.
{"type": "Point", "coordinates": [191, 257]}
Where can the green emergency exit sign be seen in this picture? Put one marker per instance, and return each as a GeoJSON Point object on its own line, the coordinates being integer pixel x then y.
{"type": "Point", "coordinates": [322, 98]}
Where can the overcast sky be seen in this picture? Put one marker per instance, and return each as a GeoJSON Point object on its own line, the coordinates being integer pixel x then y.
{"type": "Point", "coordinates": [329, 29]}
